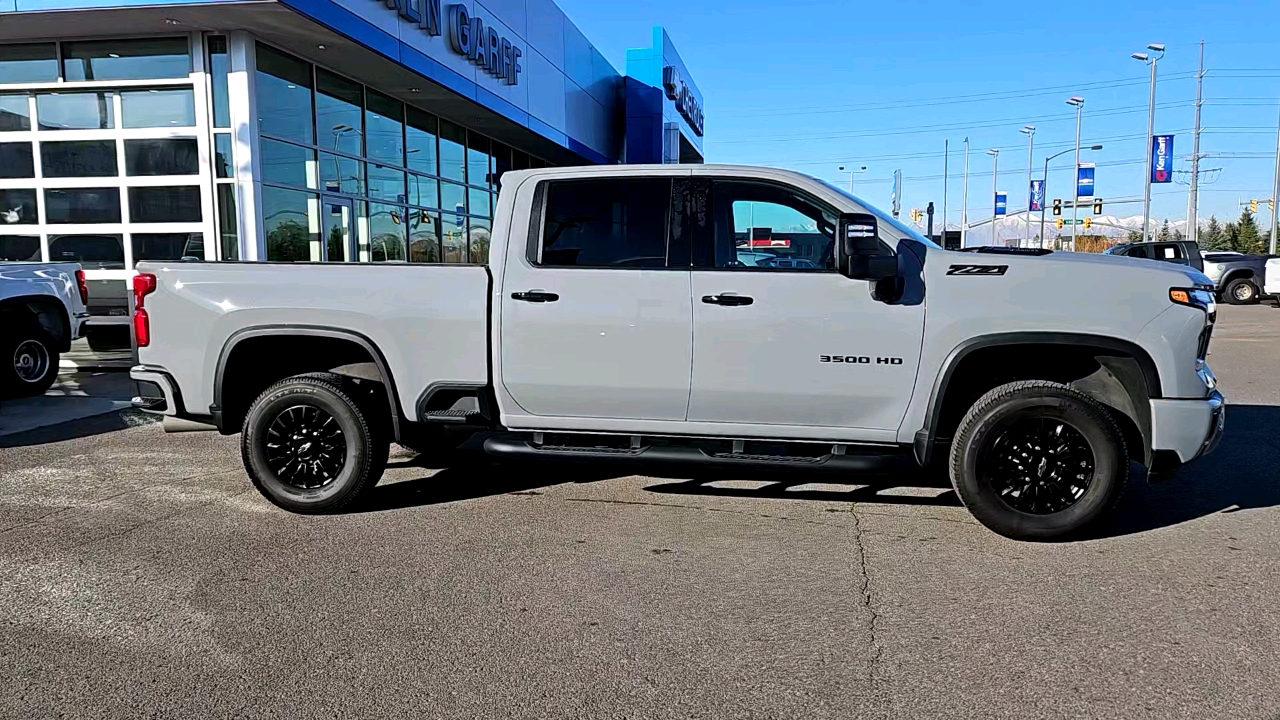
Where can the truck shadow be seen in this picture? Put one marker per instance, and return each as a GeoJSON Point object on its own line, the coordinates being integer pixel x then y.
{"type": "Point", "coordinates": [1242, 474]}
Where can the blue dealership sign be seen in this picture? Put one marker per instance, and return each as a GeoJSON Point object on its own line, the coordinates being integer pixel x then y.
{"type": "Point", "coordinates": [1036, 196]}
{"type": "Point", "coordinates": [1161, 158]}
{"type": "Point", "coordinates": [1084, 180]}
{"type": "Point", "coordinates": [1002, 202]}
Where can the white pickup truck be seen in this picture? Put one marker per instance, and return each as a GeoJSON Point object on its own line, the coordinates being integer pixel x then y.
{"type": "Point", "coordinates": [42, 309]}
{"type": "Point", "coordinates": [617, 320]}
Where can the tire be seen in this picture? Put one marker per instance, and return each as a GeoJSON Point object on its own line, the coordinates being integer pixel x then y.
{"type": "Point", "coordinates": [1241, 291]}
{"type": "Point", "coordinates": [1004, 478]}
{"type": "Point", "coordinates": [344, 457]}
{"type": "Point", "coordinates": [28, 360]}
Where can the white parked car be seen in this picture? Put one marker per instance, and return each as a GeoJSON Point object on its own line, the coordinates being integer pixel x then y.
{"type": "Point", "coordinates": [42, 309]}
{"type": "Point", "coordinates": [1272, 286]}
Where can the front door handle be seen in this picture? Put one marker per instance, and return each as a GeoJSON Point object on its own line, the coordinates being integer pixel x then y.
{"type": "Point", "coordinates": [730, 300]}
{"type": "Point", "coordinates": [536, 296]}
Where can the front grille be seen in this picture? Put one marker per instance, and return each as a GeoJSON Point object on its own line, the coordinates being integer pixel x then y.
{"type": "Point", "coordinates": [1202, 351]}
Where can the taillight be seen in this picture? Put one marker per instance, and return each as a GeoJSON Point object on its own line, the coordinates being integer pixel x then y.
{"type": "Point", "coordinates": [143, 285]}
{"type": "Point", "coordinates": [83, 285]}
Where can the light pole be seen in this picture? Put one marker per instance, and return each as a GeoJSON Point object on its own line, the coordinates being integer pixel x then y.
{"type": "Point", "coordinates": [1046, 187]}
{"type": "Point", "coordinates": [1030, 132]}
{"type": "Point", "coordinates": [1151, 124]}
{"type": "Point", "coordinates": [1275, 196]}
{"type": "Point", "coordinates": [995, 163]}
{"type": "Point", "coordinates": [1078, 102]}
{"type": "Point", "coordinates": [964, 198]}
{"type": "Point", "coordinates": [851, 174]}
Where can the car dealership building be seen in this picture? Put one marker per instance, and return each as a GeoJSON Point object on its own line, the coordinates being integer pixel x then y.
{"type": "Point", "coordinates": [318, 130]}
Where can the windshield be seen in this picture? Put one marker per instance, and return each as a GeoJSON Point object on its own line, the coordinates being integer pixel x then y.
{"type": "Point", "coordinates": [883, 217]}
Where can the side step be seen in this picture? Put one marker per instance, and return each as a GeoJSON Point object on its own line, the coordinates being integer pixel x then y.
{"type": "Point", "coordinates": [511, 447]}
{"type": "Point", "coordinates": [464, 411]}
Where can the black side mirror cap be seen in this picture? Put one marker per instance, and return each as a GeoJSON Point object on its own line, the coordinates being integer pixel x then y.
{"type": "Point", "coordinates": [859, 254]}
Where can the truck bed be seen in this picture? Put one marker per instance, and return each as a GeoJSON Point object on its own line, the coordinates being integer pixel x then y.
{"type": "Point", "coordinates": [430, 322]}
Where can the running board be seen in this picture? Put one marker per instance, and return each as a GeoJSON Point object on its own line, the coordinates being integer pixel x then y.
{"type": "Point", "coordinates": [523, 449]}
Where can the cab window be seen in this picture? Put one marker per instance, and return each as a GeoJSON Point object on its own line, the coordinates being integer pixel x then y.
{"type": "Point", "coordinates": [769, 227]}
{"type": "Point", "coordinates": [606, 223]}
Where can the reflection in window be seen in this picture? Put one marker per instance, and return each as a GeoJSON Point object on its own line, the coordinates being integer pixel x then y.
{"type": "Point", "coordinates": [18, 206]}
{"type": "Point", "coordinates": [452, 152]}
{"type": "Point", "coordinates": [386, 232]}
{"type": "Point", "coordinates": [423, 191]}
{"type": "Point", "coordinates": [219, 69]}
{"type": "Point", "coordinates": [478, 202]}
{"type": "Point", "coordinates": [477, 159]}
{"type": "Point", "coordinates": [384, 128]}
{"type": "Point", "coordinates": [19, 248]}
{"type": "Point", "coordinates": [223, 157]}
{"type": "Point", "coordinates": [174, 156]}
{"type": "Point", "coordinates": [385, 183]}
{"type": "Point", "coordinates": [341, 174]}
{"type": "Point", "coordinates": [606, 223]}
{"type": "Point", "coordinates": [478, 240]}
{"type": "Point", "coordinates": [79, 158]}
{"type": "Point", "coordinates": [338, 114]}
{"type": "Point", "coordinates": [501, 163]}
{"type": "Point", "coordinates": [82, 205]}
{"type": "Point", "coordinates": [424, 236]}
{"type": "Point", "coordinates": [227, 221]}
{"type": "Point", "coordinates": [453, 229]}
{"type": "Point", "coordinates": [15, 113]}
{"type": "Point", "coordinates": [420, 142]}
{"type": "Point", "coordinates": [167, 246]}
{"type": "Point", "coordinates": [453, 198]}
{"type": "Point", "coordinates": [772, 227]}
{"type": "Point", "coordinates": [16, 160]}
{"type": "Point", "coordinates": [158, 108]}
{"type": "Point", "coordinates": [164, 204]}
{"type": "Point", "coordinates": [34, 62]}
{"type": "Point", "coordinates": [93, 252]}
{"type": "Point", "coordinates": [284, 96]}
{"type": "Point", "coordinates": [126, 59]}
{"type": "Point", "coordinates": [287, 164]}
{"type": "Point", "coordinates": [291, 221]}
{"type": "Point", "coordinates": [76, 111]}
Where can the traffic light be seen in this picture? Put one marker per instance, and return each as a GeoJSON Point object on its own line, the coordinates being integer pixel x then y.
{"type": "Point", "coordinates": [1097, 206]}
{"type": "Point", "coordinates": [1057, 207]}
{"type": "Point", "coordinates": [1058, 222]}
{"type": "Point", "coordinates": [1253, 206]}
{"type": "Point", "coordinates": [1088, 222]}
{"type": "Point", "coordinates": [917, 214]}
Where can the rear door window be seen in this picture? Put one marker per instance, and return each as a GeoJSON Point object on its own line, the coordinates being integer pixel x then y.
{"type": "Point", "coordinates": [608, 223]}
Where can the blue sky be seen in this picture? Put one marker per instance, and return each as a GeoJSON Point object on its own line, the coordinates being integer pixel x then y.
{"type": "Point", "coordinates": [811, 85]}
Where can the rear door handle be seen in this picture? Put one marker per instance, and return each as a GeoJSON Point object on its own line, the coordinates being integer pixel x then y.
{"type": "Point", "coordinates": [730, 300]}
{"type": "Point", "coordinates": [536, 296]}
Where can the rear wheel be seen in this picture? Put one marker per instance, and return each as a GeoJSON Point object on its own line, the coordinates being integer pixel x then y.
{"type": "Point", "coordinates": [28, 359]}
{"type": "Point", "coordinates": [310, 446]}
{"type": "Point", "coordinates": [1241, 291]}
{"type": "Point", "coordinates": [1038, 460]}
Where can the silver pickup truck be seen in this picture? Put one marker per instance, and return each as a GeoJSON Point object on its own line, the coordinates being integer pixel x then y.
{"type": "Point", "coordinates": [624, 314]}
{"type": "Point", "coordinates": [42, 309]}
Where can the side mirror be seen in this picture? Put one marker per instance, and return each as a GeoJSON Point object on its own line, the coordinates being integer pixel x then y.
{"type": "Point", "coordinates": [859, 255]}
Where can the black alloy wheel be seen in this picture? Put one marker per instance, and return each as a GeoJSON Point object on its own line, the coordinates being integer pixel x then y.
{"type": "Point", "coordinates": [305, 447]}
{"type": "Point", "coordinates": [1040, 466]}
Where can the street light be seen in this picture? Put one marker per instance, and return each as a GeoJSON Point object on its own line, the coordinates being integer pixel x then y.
{"type": "Point", "coordinates": [851, 174]}
{"type": "Point", "coordinates": [1078, 102]}
{"type": "Point", "coordinates": [1030, 132]}
{"type": "Point", "coordinates": [1151, 124]}
{"type": "Point", "coordinates": [1046, 186]}
{"type": "Point", "coordinates": [995, 163]}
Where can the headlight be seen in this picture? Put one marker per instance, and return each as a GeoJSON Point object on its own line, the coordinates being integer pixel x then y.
{"type": "Point", "coordinates": [1199, 298]}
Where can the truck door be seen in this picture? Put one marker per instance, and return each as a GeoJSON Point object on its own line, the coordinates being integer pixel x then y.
{"type": "Point", "coordinates": [790, 341]}
{"type": "Point", "coordinates": [596, 318]}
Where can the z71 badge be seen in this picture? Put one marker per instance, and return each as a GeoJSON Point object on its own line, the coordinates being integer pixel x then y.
{"type": "Point", "coordinates": [977, 269]}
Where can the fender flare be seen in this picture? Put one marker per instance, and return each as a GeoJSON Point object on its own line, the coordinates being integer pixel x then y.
{"type": "Point", "coordinates": [310, 331]}
{"type": "Point", "coordinates": [926, 438]}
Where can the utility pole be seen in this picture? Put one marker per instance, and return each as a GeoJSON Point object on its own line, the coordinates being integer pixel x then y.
{"type": "Point", "coordinates": [1030, 131]}
{"type": "Point", "coordinates": [1193, 195]}
{"type": "Point", "coordinates": [1275, 193]}
{"type": "Point", "coordinates": [995, 164]}
{"type": "Point", "coordinates": [946, 159]}
{"type": "Point", "coordinates": [964, 198]}
{"type": "Point", "coordinates": [1075, 180]}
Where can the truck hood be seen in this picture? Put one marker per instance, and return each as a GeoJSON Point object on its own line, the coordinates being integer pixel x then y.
{"type": "Point", "coordinates": [1087, 264]}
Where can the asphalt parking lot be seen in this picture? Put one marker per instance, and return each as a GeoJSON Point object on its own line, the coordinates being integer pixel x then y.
{"type": "Point", "coordinates": [141, 576]}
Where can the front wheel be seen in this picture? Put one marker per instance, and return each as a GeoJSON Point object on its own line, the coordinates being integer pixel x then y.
{"type": "Point", "coordinates": [1241, 291]}
{"type": "Point", "coordinates": [1038, 460]}
{"type": "Point", "coordinates": [310, 446]}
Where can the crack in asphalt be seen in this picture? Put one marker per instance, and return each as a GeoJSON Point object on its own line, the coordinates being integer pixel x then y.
{"type": "Point", "coordinates": [857, 541]}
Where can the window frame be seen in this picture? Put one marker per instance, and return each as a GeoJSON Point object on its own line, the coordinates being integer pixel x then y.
{"type": "Point", "coordinates": [541, 203]}
{"type": "Point", "coordinates": [704, 243]}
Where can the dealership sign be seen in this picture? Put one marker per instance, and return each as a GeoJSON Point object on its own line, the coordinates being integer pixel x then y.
{"type": "Point", "coordinates": [468, 36]}
{"type": "Point", "coordinates": [1036, 196]}
{"type": "Point", "coordinates": [686, 104]}
{"type": "Point", "coordinates": [1161, 158]}
{"type": "Point", "coordinates": [1084, 180]}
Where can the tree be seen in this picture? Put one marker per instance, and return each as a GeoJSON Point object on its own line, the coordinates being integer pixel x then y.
{"type": "Point", "coordinates": [1163, 235]}
{"type": "Point", "coordinates": [1243, 236]}
{"type": "Point", "coordinates": [1178, 236]}
{"type": "Point", "coordinates": [1135, 236]}
{"type": "Point", "coordinates": [1213, 237]}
